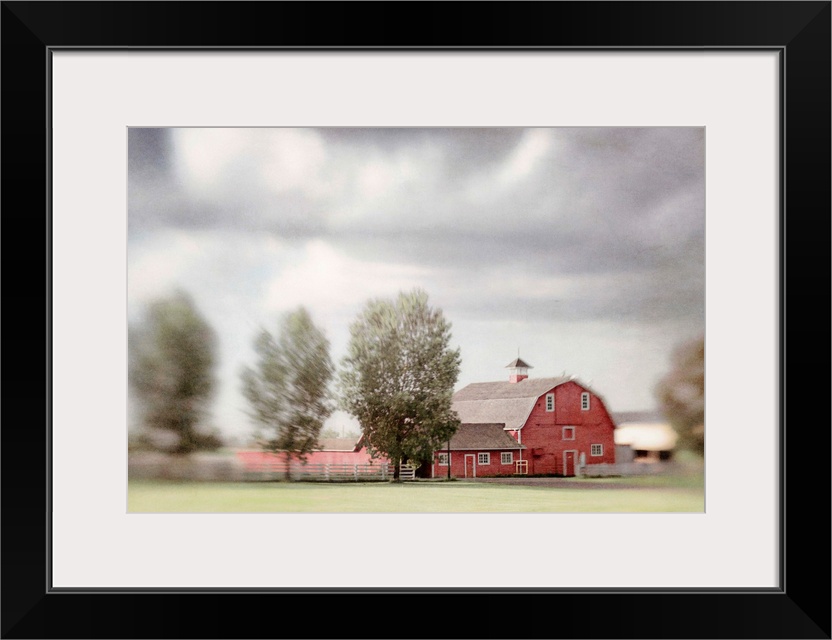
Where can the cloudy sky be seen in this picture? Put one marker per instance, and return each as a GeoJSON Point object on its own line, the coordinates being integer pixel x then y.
{"type": "Point", "coordinates": [582, 248]}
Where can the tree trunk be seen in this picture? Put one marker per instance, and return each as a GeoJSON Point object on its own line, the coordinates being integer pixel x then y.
{"type": "Point", "coordinates": [397, 470]}
{"type": "Point", "coordinates": [288, 466]}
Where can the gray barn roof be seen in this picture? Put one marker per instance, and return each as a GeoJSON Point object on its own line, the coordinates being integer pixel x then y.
{"type": "Point", "coordinates": [482, 437]}
{"type": "Point", "coordinates": [507, 402]}
{"type": "Point", "coordinates": [337, 444]}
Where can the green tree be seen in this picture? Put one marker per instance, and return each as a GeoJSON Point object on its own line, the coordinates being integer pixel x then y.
{"type": "Point", "coordinates": [398, 377]}
{"type": "Point", "coordinates": [288, 390]}
{"type": "Point", "coordinates": [172, 355]}
{"type": "Point", "coordinates": [681, 394]}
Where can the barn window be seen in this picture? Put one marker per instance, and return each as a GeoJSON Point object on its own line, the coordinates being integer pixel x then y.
{"type": "Point", "coordinates": [443, 459]}
{"type": "Point", "coordinates": [569, 433]}
{"type": "Point", "coordinates": [506, 457]}
{"type": "Point", "coordinates": [585, 402]}
{"type": "Point", "coordinates": [596, 450]}
{"type": "Point", "coordinates": [550, 402]}
{"type": "Point", "coordinates": [483, 458]}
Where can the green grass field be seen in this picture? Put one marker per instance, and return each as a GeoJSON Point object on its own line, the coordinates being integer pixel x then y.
{"type": "Point", "coordinates": [581, 495]}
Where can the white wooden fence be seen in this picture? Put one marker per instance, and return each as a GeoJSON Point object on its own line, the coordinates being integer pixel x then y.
{"type": "Point", "coordinates": [276, 470]}
{"type": "Point", "coordinates": [623, 469]}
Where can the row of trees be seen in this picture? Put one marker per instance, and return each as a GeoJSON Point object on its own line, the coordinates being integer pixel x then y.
{"type": "Point", "coordinates": [397, 378]}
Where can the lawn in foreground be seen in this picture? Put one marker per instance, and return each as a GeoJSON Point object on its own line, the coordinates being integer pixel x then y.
{"type": "Point", "coordinates": [411, 497]}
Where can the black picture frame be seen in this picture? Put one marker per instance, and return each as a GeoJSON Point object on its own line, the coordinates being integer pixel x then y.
{"type": "Point", "coordinates": [799, 608]}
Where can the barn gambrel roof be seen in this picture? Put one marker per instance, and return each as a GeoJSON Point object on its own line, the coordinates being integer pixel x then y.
{"type": "Point", "coordinates": [508, 402]}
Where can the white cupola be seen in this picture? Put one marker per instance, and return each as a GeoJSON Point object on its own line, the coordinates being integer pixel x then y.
{"type": "Point", "coordinates": [519, 370]}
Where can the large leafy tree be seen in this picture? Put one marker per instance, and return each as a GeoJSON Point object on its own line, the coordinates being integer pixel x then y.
{"type": "Point", "coordinates": [288, 389]}
{"type": "Point", "coordinates": [172, 355]}
{"type": "Point", "coordinates": [398, 377]}
{"type": "Point", "coordinates": [681, 394]}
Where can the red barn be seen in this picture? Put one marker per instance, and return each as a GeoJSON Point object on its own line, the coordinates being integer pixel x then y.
{"type": "Point", "coordinates": [559, 424]}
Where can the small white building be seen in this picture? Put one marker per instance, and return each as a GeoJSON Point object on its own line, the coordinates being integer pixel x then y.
{"type": "Point", "coordinates": [647, 434]}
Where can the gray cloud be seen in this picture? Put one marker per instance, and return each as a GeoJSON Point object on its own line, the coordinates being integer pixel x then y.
{"type": "Point", "coordinates": [463, 150]}
{"type": "Point", "coordinates": [592, 203]}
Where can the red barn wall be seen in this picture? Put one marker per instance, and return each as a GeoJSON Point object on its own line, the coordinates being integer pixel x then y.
{"type": "Point", "coordinates": [495, 468]}
{"type": "Point", "coordinates": [543, 432]}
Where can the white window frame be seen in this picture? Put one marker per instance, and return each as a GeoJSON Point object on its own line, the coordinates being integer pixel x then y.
{"type": "Point", "coordinates": [584, 401]}
{"type": "Point", "coordinates": [506, 457]}
{"type": "Point", "coordinates": [483, 458]}
{"type": "Point", "coordinates": [443, 456]}
{"type": "Point", "coordinates": [563, 433]}
{"type": "Point", "coordinates": [593, 449]}
{"type": "Point", "coordinates": [550, 402]}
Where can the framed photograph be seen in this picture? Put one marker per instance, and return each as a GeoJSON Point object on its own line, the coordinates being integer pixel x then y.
{"type": "Point", "coordinates": [591, 182]}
